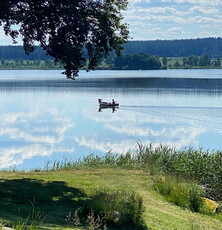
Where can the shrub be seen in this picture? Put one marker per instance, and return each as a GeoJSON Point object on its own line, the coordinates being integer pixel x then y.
{"type": "Point", "coordinates": [122, 210]}
{"type": "Point", "coordinates": [119, 208]}
{"type": "Point", "coordinates": [180, 192]}
{"type": "Point", "coordinates": [195, 198]}
{"type": "Point", "coordinates": [198, 165]}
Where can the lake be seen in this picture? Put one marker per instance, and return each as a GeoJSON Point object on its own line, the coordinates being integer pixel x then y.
{"type": "Point", "coordinates": [45, 117]}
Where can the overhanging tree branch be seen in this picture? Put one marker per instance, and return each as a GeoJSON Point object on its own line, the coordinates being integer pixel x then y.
{"type": "Point", "coordinates": [71, 31]}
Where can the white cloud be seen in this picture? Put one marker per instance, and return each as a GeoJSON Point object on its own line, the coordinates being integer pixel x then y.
{"type": "Point", "coordinates": [204, 20]}
{"type": "Point", "coordinates": [133, 2]}
{"type": "Point", "coordinates": [175, 30]}
{"type": "Point", "coordinates": [195, 2]}
{"type": "Point", "coordinates": [158, 10]}
{"type": "Point", "coordinates": [204, 10]}
{"type": "Point", "coordinates": [190, 15]}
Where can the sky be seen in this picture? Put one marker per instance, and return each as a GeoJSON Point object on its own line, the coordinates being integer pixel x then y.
{"type": "Point", "coordinates": [174, 19]}
{"type": "Point", "coordinates": [168, 19]}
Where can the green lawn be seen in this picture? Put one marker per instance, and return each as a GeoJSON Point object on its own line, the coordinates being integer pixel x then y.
{"type": "Point", "coordinates": [54, 194]}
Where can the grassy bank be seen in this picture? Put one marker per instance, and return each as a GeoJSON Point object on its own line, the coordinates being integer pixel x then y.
{"type": "Point", "coordinates": [55, 194]}
{"type": "Point", "coordinates": [68, 195]}
{"type": "Point", "coordinates": [197, 165]}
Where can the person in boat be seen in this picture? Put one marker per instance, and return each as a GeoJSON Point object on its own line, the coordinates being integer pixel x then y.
{"type": "Point", "coordinates": [113, 102]}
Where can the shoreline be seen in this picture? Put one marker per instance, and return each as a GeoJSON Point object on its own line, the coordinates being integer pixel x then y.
{"type": "Point", "coordinates": [173, 68]}
{"type": "Point", "coordinates": [141, 181]}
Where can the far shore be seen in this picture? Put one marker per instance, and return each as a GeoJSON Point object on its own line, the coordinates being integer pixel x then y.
{"type": "Point", "coordinates": [54, 68]}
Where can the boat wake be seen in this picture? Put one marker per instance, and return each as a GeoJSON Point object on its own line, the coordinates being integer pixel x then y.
{"type": "Point", "coordinates": [210, 118]}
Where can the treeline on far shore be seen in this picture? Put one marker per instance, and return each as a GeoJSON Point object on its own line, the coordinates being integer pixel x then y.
{"type": "Point", "coordinates": [139, 61]}
{"type": "Point", "coordinates": [126, 62]}
{"type": "Point", "coordinates": [143, 61]}
{"type": "Point", "coordinates": [192, 61]}
{"type": "Point", "coordinates": [29, 64]}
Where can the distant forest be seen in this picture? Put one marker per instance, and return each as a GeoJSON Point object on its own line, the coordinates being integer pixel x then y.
{"type": "Point", "coordinates": [169, 48]}
{"type": "Point", "coordinates": [17, 52]}
{"type": "Point", "coordinates": [177, 48]}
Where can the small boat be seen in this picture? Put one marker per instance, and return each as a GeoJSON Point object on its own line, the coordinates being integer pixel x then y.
{"type": "Point", "coordinates": [108, 104]}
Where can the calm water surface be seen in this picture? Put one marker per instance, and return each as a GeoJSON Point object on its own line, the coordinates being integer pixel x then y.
{"type": "Point", "coordinates": [45, 117]}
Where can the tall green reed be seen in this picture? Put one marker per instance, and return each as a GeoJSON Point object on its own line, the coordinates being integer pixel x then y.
{"type": "Point", "coordinates": [202, 166]}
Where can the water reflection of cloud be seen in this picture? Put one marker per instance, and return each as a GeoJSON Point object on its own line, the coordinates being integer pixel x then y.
{"type": "Point", "coordinates": [15, 156]}
{"type": "Point", "coordinates": [15, 133]}
{"type": "Point", "coordinates": [178, 138]}
{"type": "Point", "coordinates": [122, 116]}
{"type": "Point", "coordinates": [156, 125]}
{"type": "Point", "coordinates": [31, 136]}
{"type": "Point", "coordinates": [35, 133]}
{"type": "Point", "coordinates": [105, 146]}
{"type": "Point", "coordinates": [20, 117]}
{"type": "Point", "coordinates": [133, 130]}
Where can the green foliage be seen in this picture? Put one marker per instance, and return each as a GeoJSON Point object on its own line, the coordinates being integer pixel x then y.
{"type": "Point", "coordinates": [195, 198]}
{"type": "Point", "coordinates": [177, 48]}
{"type": "Point", "coordinates": [177, 64]}
{"type": "Point", "coordinates": [95, 222]}
{"type": "Point", "coordinates": [73, 219]}
{"type": "Point", "coordinates": [29, 64]}
{"type": "Point", "coordinates": [67, 30]}
{"type": "Point", "coordinates": [204, 60]}
{"type": "Point", "coordinates": [91, 221]}
{"type": "Point", "coordinates": [103, 207]}
{"type": "Point", "coordinates": [93, 161]}
{"type": "Point", "coordinates": [12, 58]}
{"type": "Point", "coordinates": [167, 48]}
{"type": "Point", "coordinates": [193, 60]}
{"type": "Point", "coordinates": [118, 209]}
{"type": "Point", "coordinates": [180, 192]}
{"type": "Point", "coordinates": [218, 62]}
{"type": "Point", "coordinates": [198, 165]}
{"type": "Point", "coordinates": [164, 60]}
{"type": "Point", "coordinates": [59, 192]}
{"type": "Point", "coordinates": [137, 61]}
{"type": "Point", "coordinates": [32, 222]}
